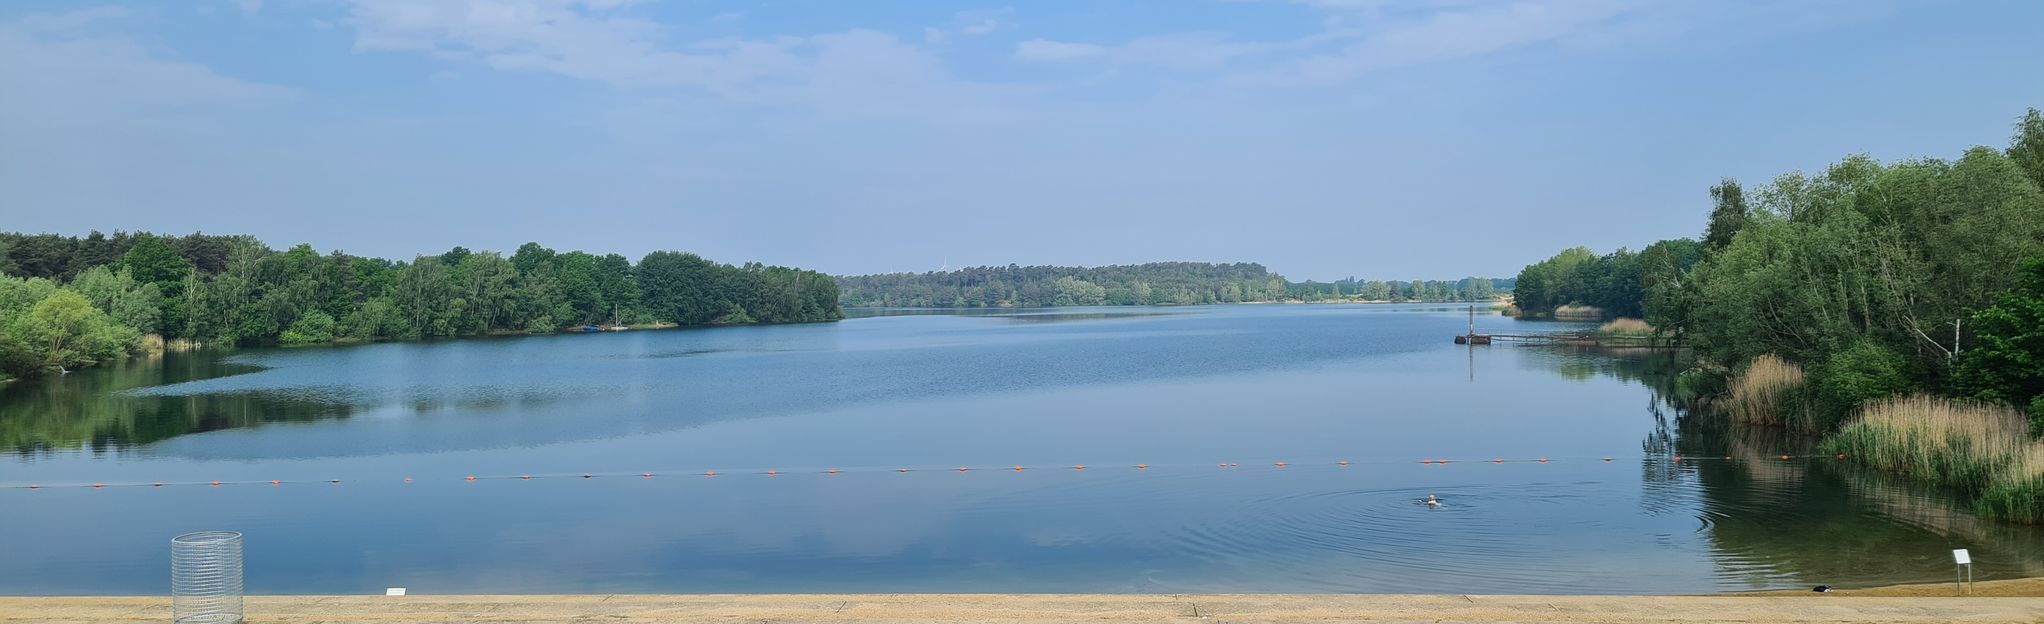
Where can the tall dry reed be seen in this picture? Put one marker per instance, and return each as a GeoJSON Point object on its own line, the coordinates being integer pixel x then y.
{"type": "Point", "coordinates": [1768, 392]}
{"type": "Point", "coordinates": [1626, 327]}
{"type": "Point", "coordinates": [1580, 312]}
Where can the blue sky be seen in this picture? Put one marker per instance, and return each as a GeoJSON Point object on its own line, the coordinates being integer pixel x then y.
{"type": "Point", "coordinates": [1324, 138]}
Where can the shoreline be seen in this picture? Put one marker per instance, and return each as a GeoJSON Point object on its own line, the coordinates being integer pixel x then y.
{"type": "Point", "coordinates": [2018, 600]}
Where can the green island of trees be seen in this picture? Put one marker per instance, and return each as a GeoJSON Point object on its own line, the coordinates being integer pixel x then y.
{"type": "Point", "coordinates": [1156, 283]}
{"type": "Point", "coordinates": [68, 302]}
{"type": "Point", "coordinates": [1894, 309]}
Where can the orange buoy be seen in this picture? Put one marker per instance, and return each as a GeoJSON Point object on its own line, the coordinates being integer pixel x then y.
{"type": "Point", "coordinates": [525, 477]}
{"type": "Point", "coordinates": [831, 471]}
{"type": "Point", "coordinates": [773, 473]}
{"type": "Point", "coordinates": [709, 473]}
{"type": "Point", "coordinates": [1142, 466]}
{"type": "Point", "coordinates": [276, 482]}
{"type": "Point", "coordinates": [646, 475]}
{"type": "Point", "coordinates": [1341, 463]}
{"type": "Point", "coordinates": [157, 484]}
{"type": "Point", "coordinates": [961, 469]}
{"type": "Point", "coordinates": [1784, 457]}
{"type": "Point", "coordinates": [97, 486]}
{"type": "Point", "coordinates": [1280, 464]}
{"type": "Point", "coordinates": [1497, 460]}
{"type": "Point", "coordinates": [33, 486]}
{"type": "Point", "coordinates": [471, 477]}
{"type": "Point", "coordinates": [1678, 459]}
{"type": "Point", "coordinates": [1078, 467]}
{"type": "Point", "coordinates": [408, 479]}
{"type": "Point", "coordinates": [1543, 460]}
{"type": "Point", "coordinates": [1841, 457]}
{"type": "Point", "coordinates": [216, 484]}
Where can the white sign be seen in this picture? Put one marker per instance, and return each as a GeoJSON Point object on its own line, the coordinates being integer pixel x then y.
{"type": "Point", "coordinates": [1960, 557]}
{"type": "Point", "coordinates": [394, 591]}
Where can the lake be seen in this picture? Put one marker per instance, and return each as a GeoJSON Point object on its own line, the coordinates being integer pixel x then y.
{"type": "Point", "coordinates": [1211, 400]}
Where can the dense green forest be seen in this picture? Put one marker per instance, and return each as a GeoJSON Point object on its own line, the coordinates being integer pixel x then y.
{"type": "Point", "coordinates": [1815, 301]}
{"type": "Point", "coordinates": [68, 301]}
{"type": "Point", "coordinates": [1156, 283]}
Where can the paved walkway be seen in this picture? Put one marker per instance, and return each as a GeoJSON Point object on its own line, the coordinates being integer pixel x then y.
{"type": "Point", "coordinates": [1018, 609]}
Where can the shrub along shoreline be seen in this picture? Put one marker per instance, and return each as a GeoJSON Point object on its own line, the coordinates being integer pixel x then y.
{"type": "Point", "coordinates": [1896, 310]}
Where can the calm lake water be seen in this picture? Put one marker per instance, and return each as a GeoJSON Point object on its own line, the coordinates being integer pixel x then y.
{"type": "Point", "coordinates": [1181, 390]}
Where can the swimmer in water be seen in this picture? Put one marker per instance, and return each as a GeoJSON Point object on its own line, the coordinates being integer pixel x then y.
{"type": "Point", "coordinates": [1433, 502]}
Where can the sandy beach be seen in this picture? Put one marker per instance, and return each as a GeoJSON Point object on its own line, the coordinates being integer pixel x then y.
{"type": "Point", "coordinates": [2005, 601]}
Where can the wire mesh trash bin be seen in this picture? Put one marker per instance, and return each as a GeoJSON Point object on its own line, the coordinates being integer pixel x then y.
{"type": "Point", "coordinates": [205, 578]}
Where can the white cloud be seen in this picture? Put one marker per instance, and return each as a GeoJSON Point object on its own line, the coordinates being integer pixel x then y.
{"type": "Point", "coordinates": [60, 68]}
{"type": "Point", "coordinates": [1046, 50]}
{"type": "Point", "coordinates": [1357, 37]}
{"type": "Point", "coordinates": [854, 70]}
{"type": "Point", "coordinates": [1453, 34]}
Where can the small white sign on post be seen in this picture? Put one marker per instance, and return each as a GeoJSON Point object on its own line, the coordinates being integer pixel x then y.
{"type": "Point", "coordinates": [1962, 565]}
{"type": "Point", "coordinates": [394, 591]}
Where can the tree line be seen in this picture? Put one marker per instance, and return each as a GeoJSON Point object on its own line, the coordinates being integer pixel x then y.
{"type": "Point", "coordinates": [1428, 291]}
{"type": "Point", "coordinates": [67, 302]}
{"type": "Point", "coordinates": [1878, 278]}
{"type": "Point", "coordinates": [1157, 283]}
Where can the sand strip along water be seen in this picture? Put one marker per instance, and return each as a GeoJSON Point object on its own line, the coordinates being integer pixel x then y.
{"type": "Point", "coordinates": [1012, 608]}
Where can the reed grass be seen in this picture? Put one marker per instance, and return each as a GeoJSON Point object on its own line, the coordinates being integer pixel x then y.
{"type": "Point", "coordinates": [1769, 392]}
{"type": "Point", "coordinates": [1980, 449]}
{"type": "Point", "coordinates": [1626, 327]}
{"type": "Point", "coordinates": [1579, 312]}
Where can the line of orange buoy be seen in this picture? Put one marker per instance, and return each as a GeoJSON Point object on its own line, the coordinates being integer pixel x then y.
{"type": "Point", "coordinates": [1676, 458]}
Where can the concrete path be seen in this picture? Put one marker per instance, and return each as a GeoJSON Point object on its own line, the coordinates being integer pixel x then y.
{"type": "Point", "coordinates": [1020, 609]}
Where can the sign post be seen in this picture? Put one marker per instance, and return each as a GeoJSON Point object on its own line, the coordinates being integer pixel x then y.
{"type": "Point", "coordinates": [1962, 565]}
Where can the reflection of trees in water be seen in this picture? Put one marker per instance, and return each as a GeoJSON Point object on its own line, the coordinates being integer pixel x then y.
{"type": "Point", "coordinates": [1804, 521]}
{"type": "Point", "coordinates": [88, 408]}
{"type": "Point", "coordinates": [1821, 521]}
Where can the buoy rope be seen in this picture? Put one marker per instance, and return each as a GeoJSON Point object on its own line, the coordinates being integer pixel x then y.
{"type": "Point", "coordinates": [774, 472]}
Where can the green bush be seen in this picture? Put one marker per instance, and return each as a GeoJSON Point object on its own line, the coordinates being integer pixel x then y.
{"type": "Point", "coordinates": [313, 327]}
{"type": "Point", "coordinates": [541, 325]}
{"type": "Point", "coordinates": [1863, 373]}
{"type": "Point", "coordinates": [2037, 416]}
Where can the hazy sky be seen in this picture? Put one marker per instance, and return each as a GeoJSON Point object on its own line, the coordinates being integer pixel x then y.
{"type": "Point", "coordinates": [1324, 138]}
